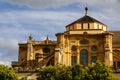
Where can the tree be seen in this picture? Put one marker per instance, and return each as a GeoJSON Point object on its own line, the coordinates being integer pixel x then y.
{"type": "Point", "coordinates": [47, 73]}
{"type": "Point", "coordinates": [78, 72]}
{"type": "Point", "coordinates": [55, 73]}
{"type": "Point", "coordinates": [99, 71]}
{"type": "Point", "coordinates": [7, 73]}
{"type": "Point", "coordinates": [64, 73]}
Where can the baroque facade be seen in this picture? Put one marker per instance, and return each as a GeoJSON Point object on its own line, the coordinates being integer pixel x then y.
{"type": "Point", "coordinates": [85, 41]}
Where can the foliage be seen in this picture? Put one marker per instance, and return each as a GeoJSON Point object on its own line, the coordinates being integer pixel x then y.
{"type": "Point", "coordinates": [7, 73]}
{"type": "Point", "coordinates": [77, 72]}
{"type": "Point", "coordinates": [55, 73]}
{"type": "Point", "coordinates": [48, 73]}
{"type": "Point", "coordinates": [98, 72]}
{"type": "Point", "coordinates": [64, 73]}
{"type": "Point", "coordinates": [24, 78]}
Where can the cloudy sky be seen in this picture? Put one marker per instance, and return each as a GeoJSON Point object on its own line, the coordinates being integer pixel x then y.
{"type": "Point", "coordinates": [20, 18]}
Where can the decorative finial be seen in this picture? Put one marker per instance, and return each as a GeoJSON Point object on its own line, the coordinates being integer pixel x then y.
{"type": "Point", "coordinates": [47, 38]}
{"type": "Point", "coordinates": [86, 9]}
{"type": "Point", "coordinates": [30, 37]}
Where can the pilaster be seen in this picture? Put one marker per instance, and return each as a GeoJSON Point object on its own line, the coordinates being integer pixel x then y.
{"type": "Point", "coordinates": [108, 50]}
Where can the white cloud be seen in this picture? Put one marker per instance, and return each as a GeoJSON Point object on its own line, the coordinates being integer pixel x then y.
{"type": "Point", "coordinates": [8, 51]}
{"type": "Point", "coordinates": [9, 45]}
{"type": "Point", "coordinates": [7, 63]}
{"type": "Point", "coordinates": [58, 3]}
{"type": "Point", "coordinates": [43, 3]}
{"type": "Point", "coordinates": [28, 22]}
{"type": "Point", "coordinates": [109, 8]}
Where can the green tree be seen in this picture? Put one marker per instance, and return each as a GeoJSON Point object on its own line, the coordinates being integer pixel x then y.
{"type": "Point", "coordinates": [47, 73]}
{"type": "Point", "coordinates": [24, 78]}
{"type": "Point", "coordinates": [100, 71]}
{"type": "Point", "coordinates": [55, 73]}
{"type": "Point", "coordinates": [64, 73]}
{"type": "Point", "coordinates": [78, 72]}
{"type": "Point", "coordinates": [7, 73]}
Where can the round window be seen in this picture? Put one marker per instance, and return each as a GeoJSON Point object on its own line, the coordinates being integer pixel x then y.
{"type": "Point", "coordinates": [46, 50]}
{"type": "Point", "coordinates": [94, 48]}
{"type": "Point", "coordinates": [73, 48]}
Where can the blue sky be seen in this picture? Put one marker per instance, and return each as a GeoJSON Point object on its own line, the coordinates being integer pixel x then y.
{"type": "Point", "coordinates": [20, 18]}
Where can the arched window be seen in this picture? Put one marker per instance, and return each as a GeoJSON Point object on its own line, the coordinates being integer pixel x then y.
{"type": "Point", "coordinates": [84, 41]}
{"type": "Point", "coordinates": [83, 57]}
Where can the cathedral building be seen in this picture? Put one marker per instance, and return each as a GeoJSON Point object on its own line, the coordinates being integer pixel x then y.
{"type": "Point", "coordinates": [84, 41]}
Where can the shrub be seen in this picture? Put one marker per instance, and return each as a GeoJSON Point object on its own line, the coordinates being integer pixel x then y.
{"type": "Point", "coordinates": [98, 72]}
{"type": "Point", "coordinates": [7, 73]}
{"type": "Point", "coordinates": [77, 72]}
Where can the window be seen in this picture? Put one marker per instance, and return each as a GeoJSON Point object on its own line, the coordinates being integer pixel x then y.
{"type": "Point", "coordinates": [46, 50]}
{"type": "Point", "coordinates": [94, 48]}
{"type": "Point", "coordinates": [73, 48]}
{"type": "Point", "coordinates": [73, 60]}
{"type": "Point", "coordinates": [82, 26]}
{"type": "Point", "coordinates": [84, 41]}
{"type": "Point", "coordinates": [118, 64]}
{"type": "Point", "coordinates": [88, 26]}
{"type": "Point", "coordinates": [97, 26]}
{"type": "Point", "coordinates": [83, 57]}
{"type": "Point", "coordinates": [73, 27]}
{"type": "Point", "coordinates": [94, 59]}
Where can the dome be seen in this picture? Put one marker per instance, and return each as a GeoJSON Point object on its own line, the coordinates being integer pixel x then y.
{"type": "Point", "coordinates": [86, 22]}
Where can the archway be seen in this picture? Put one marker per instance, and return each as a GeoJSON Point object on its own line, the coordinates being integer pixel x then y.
{"type": "Point", "coordinates": [84, 57]}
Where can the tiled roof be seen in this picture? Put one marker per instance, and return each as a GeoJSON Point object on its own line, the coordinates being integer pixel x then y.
{"type": "Point", "coordinates": [86, 18]}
